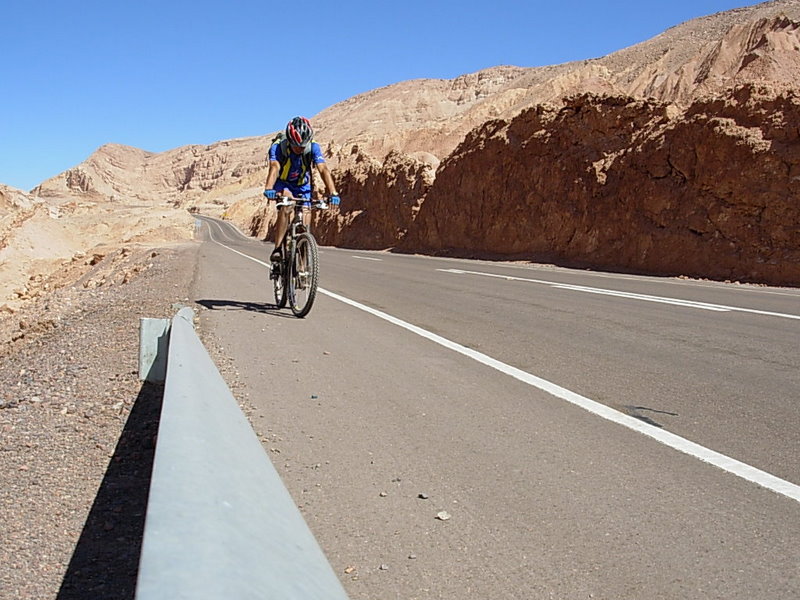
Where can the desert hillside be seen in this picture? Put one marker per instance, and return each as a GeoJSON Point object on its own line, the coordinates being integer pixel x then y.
{"type": "Point", "coordinates": [47, 242]}
{"type": "Point", "coordinates": [676, 156]}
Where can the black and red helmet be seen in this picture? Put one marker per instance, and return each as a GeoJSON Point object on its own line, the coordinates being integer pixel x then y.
{"type": "Point", "coordinates": [299, 132]}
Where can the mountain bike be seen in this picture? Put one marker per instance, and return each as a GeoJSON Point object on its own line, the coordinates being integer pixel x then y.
{"type": "Point", "coordinates": [296, 274]}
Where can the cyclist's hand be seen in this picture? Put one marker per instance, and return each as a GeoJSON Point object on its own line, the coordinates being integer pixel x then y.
{"type": "Point", "coordinates": [334, 200]}
{"type": "Point", "coordinates": [269, 194]}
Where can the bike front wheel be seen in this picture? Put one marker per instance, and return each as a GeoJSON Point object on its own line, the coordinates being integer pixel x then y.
{"type": "Point", "coordinates": [304, 274]}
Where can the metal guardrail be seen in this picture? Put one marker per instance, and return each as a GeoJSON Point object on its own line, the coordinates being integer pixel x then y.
{"type": "Point", "coordinates": [220, 523]}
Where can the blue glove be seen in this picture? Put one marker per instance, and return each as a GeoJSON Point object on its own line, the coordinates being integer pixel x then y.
{"type": "Point", "coordinates": [334, 200]}
{"type": "Point", "coordinates": [269, 194]}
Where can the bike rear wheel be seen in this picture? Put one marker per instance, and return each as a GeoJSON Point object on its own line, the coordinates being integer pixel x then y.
{"type": "Point", "coordinates": [304, 274]}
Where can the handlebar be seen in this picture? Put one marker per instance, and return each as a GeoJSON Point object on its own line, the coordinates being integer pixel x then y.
{"type": "Point", "coordinates": [321, 204]}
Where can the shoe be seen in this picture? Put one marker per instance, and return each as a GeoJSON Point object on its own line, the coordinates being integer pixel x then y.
{"type": "Point", "coordinates": [276, 255]}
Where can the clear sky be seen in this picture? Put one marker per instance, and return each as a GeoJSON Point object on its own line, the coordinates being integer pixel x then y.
{"type": "Point", "coordinates": [158, 74]}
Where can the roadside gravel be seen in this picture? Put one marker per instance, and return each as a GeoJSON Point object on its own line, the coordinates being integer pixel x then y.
{"type": "Point", "coordinates": [77, 427]}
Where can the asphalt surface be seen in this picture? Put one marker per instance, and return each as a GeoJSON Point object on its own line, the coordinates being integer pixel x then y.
{"type": "Point", "coordinates": [376, 429]}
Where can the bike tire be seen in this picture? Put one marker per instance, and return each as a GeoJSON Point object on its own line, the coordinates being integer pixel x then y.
{"type": "Point", "coordinates": [304, 274]}
{"type": "Point", "coordinates": [280, 283]}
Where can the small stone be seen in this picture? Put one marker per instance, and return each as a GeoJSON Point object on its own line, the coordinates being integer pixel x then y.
{"type": "Point", "coordinates": [349, 570]}
{"type": "Point", "coordinates": [383, 494]}
{"type": "Point", "coordinates": [412, 556]}
{"type": "Point", "coordinates": [443, 515]}
{"type": "Point", "coordinates": [423, 496]}
{"type": "Point", "coordinates": [384, 567]}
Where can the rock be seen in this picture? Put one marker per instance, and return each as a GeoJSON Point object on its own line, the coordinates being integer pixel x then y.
{"type": "Point", "coordinates": [707, 194]}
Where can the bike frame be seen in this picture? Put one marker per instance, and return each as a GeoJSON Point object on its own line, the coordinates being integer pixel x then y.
{"type": "Point", "coordinates": [298, 270]}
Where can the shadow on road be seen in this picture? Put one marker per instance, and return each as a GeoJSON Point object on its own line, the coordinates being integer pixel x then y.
{"type": "Point", "coordinates": [261, 307]}
{"type": "Point", "coordinates": [105, 563]}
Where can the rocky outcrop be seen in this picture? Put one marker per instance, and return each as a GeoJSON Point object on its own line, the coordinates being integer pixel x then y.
{"type": "Point", "coordinates": [179, 177]}
{"type": "Point", "coordinates": [13, 200]}
{"type": "Point", "coordinates": [382, 200]}
{"type": "Point", "coordinates": [764, 50]}
{"type": "Point", "coordinates": [626, 184]}
{"type": "Point", "coordinates": [430, 115]}
{"type": "Point", "coordinates": [606, 182]}
{"type": "Point", "coordinates": [15, 208]}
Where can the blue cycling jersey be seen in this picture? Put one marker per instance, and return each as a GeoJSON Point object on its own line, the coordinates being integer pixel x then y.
{"type": "Point", "coordinates": [293, 173]}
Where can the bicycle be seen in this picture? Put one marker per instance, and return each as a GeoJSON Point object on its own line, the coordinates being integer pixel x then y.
{"type": "Point", "coordinates": [296, 274]}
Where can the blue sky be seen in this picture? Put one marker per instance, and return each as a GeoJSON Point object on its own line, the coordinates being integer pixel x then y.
{"type": "Point", "coordinates": [158, 74]}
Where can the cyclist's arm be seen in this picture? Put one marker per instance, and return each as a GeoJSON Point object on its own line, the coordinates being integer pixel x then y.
{"type": "Point", "coordinates": [327, 178]}
{"type": "Point", "coordinates": [272, 174]}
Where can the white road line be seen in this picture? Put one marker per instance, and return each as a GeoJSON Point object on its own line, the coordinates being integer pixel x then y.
{"type": "Point", "coordinates": [733, 466]}
{"type": "Point", "coordinates": [367, 258]}
{"type": "Point", "coordinates": [630, 295]}
{"type": "Point", "coordinates": [676, 442]}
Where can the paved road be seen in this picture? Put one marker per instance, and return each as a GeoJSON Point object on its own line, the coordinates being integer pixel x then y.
{"type": "Point", "coordinates": [547, 499]}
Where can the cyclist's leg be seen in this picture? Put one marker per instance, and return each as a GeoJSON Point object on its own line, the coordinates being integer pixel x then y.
{"type": "Point", "coordinates": [306, 207]}
{"type": "Point", "coordinates": [299, 192]}
{"type": "Point", "coordinates": [282, 223]}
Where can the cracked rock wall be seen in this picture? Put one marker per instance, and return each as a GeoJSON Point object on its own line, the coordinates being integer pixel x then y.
{"type": "Point", "coordinates": [632, 185]}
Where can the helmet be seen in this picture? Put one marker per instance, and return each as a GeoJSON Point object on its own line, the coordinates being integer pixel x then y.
{"type": "Point", "coordinates": [299, 132]}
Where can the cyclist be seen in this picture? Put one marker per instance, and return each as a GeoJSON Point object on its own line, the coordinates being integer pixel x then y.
{"type": "Point", "coordinates": [290, 162]}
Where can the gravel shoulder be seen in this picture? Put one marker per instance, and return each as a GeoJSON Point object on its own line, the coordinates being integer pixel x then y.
{"type": "Point", "coordinates": [77, 427]}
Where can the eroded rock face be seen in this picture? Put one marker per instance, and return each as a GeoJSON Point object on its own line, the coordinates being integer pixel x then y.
{"type": "Point", "coordinates": [628, 184]}
{"type": "Point", "coordinates": [382, 199]}
{"type": "Point", "coordinates": [178, 177]}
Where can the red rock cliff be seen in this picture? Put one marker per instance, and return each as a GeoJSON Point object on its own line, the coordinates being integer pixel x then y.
{"type": "Point", "coordinates": [626, 184]}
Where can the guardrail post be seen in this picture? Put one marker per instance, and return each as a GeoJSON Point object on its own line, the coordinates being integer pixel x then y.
{"type": "Point", "coordinates": [220, 523]}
